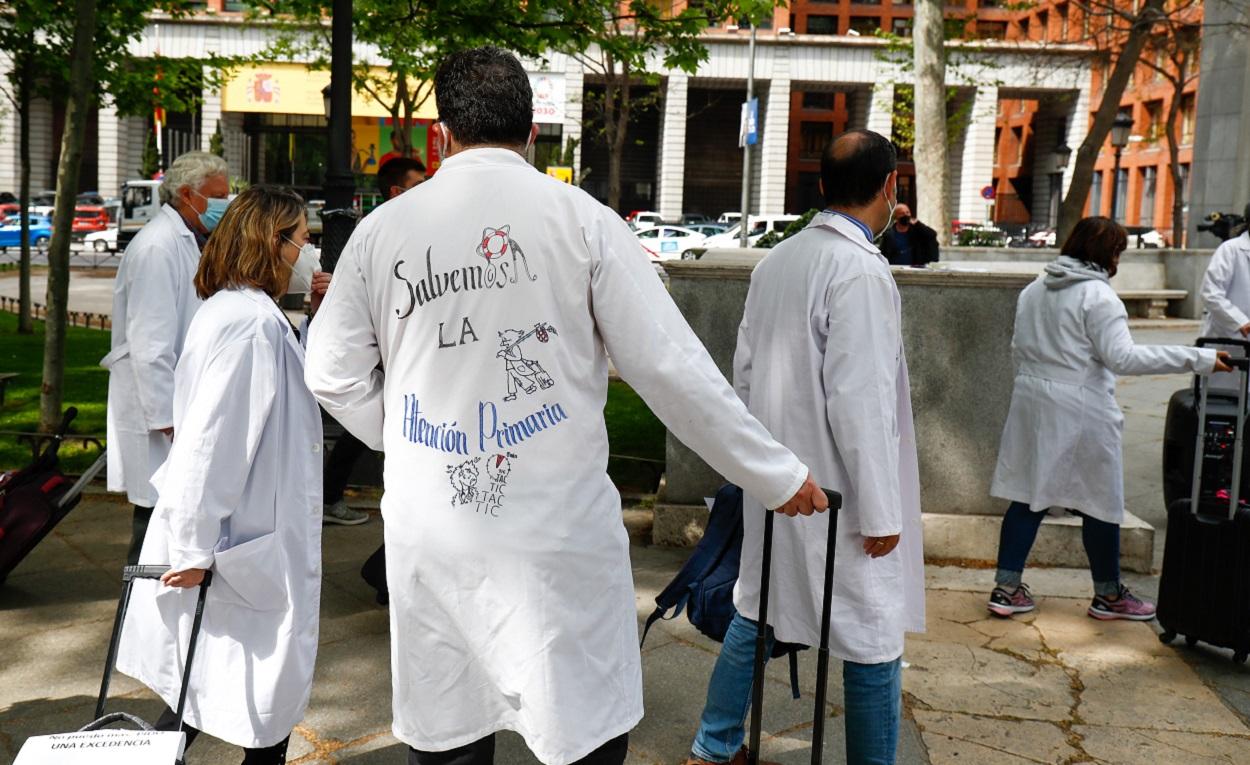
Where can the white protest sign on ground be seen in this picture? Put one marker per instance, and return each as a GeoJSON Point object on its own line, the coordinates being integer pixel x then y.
{"type": "Point", "coordinates": [103, 747]}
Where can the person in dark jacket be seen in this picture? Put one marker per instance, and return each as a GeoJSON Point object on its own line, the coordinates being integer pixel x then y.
{"type": "Point", "coordinates": [909, 242]}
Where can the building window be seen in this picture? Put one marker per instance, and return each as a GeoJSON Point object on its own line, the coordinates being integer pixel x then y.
{"type": "Point", "coordinates": [1146, 211]}
{"type": "Point", "coordinates": [1121, 195]}
{"type": "Point", "coordinates": [954, 29]}
{"type": "Point", "coordinates": [989, 3]}
{"type": "Point", "coordinates": [992, 30]}
{"type": "Point", "coordinates": [1017, 135]}
{"type": "Point", "coordinates": [1062, 10]}
{"type": "Point", "coordinates": [813, 137]}
{"type": "Point", "coordinates": [236, 5]}
{"type": "Point", "coordinates": [865, 2]}
{"type": "Point", "coordinates": [822, 25]}
{"type": "Point", "coordinates": [1024, 28]}
{"type": "Point", "coordinates": [901, 26]}
{"type": "Point", "coordinates": [1095, 195]}
{"type": "Point", "coordinates": [1189, 114]}
{"type": "Point", "coordinates": [818, 100]}
{"type": "Point", "coordinates": [867, 26]}
{"type": "Point", "coordinates": [1043, 25]}
{"type": "Point", "coordinates": [1154, 120]}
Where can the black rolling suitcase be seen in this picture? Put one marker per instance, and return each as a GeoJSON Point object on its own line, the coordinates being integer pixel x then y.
{"type": "Point", "coordinates": [1181, 429]}
{"type": "Point", "coordinates": [141, 743]}
{"type": "Point", "coordinates": [761, 638]}
{"type": "Point", "coordinates": [1204, 592]}
{"type": "Point", "coordinates": [36, 498]}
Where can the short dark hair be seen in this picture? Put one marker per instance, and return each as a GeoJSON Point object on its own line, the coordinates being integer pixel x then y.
{"type": "Point", "coordinates": [1096, 240]}
{"type": "Point", "coordinates": [484, 97]}
{"type": "Point", "coordinates": [393, 170]}
{"type": "Point", "coordinates": [854, 166]}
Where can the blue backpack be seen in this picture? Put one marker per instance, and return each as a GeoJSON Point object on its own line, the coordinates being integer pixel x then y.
{"type": "Point", "coordinates": [704, 588]}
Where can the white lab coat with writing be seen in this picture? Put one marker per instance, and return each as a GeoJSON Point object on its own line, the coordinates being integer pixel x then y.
{"type": "Point", "coordinates": [241, 495]}
{"type": "Point", "coordinates": [492, 295]}
{"type": "Point", "coordinates": [154, 301]}
{"type": "Point", "coordinates": [820, 362]}
{"type": "Point", "coordinates": [1062, 442]}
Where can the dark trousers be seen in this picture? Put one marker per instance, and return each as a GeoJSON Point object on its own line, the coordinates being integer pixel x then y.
{"type": "Point", "coordinates": [138, 530]}
{"type": "Point", "coordinates": [1101, 539]}
{"type": "Point", "coordinates": [482, 752]}
{"type": "Point", "coordinates": [270, 755]}
{"type": "Point", "coordinates": [347, 449]}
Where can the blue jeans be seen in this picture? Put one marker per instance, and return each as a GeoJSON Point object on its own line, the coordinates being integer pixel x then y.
{"type": "Point", "coordinates": [873, 696]}
{"type": "Point", "coordinates": [1020, 525]}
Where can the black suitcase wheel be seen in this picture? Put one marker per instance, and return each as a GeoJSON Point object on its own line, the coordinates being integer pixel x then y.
{"type": "Point", "coordinates": [1167, 636]}
{"type": "Point", "coordinates": [1240, 657]}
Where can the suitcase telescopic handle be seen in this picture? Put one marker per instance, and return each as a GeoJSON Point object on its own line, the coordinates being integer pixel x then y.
{"type": "Point", "coordinates": [1231, 342]}
{"type": "Point", "coordinates": [129, 575]}
{"type": "Point", "coordinates": [1242, 365]}
{"type": "Point", "coordinates": [761, 635]}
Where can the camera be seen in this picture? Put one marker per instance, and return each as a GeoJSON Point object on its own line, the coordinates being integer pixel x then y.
{"type": "Point", "coordinates": [1225, 225]}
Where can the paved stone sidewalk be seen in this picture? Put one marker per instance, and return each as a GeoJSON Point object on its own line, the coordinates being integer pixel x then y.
{"type": "Point", "coordinates": [1053, 687]}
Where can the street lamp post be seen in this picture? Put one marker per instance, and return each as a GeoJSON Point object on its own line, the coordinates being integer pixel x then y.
{"type": "Point", "coordinates": [339, 216]}
{"type": "Point", "coordinates": [1120, 130]}
{"type": "Point", "coordinates": [744, 220]}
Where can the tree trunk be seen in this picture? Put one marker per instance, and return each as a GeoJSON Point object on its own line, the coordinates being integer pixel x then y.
{"type": "Point", "coordinates": [403, 121]}
{"type": "Point", "coordinates": [76, 114]}
{"type": "Point", "coordinates": [613, 134]}
{"type": "Point", "coordinates": [1174, 154]}
{"type": "Point", "coordinates": [25, 324]}
{"type": "Point", "coordinates": [1073, 206]}
{"type": "Point", "coordinates": [931, 144]}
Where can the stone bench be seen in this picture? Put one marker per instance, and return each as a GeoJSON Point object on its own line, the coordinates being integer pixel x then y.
{"type": "Point", "coordinates": [1142, 286]}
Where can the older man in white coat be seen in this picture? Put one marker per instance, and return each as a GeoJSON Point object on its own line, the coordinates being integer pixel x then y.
{"type": "Point", "coordinates": [153, 302]}
{"type": "Point", "coordinates": [820, 362]}
{"type": "Point", "coordinates": [512, 600]}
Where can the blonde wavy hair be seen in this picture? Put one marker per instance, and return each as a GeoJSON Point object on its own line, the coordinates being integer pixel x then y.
{"type": "Point", "coordinates": [245, 248]}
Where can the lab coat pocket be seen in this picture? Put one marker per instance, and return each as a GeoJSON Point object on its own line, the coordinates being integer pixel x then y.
{"type": "Point", "coordinates": [252, 574]}
{"type": "Point", "coordinates": [117, 354]}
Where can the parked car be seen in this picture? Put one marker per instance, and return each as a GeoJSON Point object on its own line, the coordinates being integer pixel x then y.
{"type": "Point", "coordinates": [729, 218]}
{"type": "Point", "coordinates": [639, 219]}
{"type": "Point", "coordinates": [40, 232]}
{"type": "Point", "coordinates": [88, 218]}
{"type": "Point", "coordinates": [760, 225]}
{"type": "Point", "coordinates": [1144, 237]}
{"type": "Point", "coordinates": [102, 241]}
{"type": "Point", "coordinates": [694, 219]}
{"type": "Point", "coordinates": [7, 209]}
{"type": "Point", "coordinates": [708, 229]}
{"type": "Point", "coordinates": [1043, 238]}
{"type": "Point", "coordinates": [669, 242]}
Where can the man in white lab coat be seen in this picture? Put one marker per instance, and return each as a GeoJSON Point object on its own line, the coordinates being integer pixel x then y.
{"type": "Point", "coordinates": [153, 302]}
{"type": "Point", "coordinates": [820, 362]}
{"type": "Point", "coordinates": [1226, 289]}
{"type": "Point", "coordinates": [512, 600]}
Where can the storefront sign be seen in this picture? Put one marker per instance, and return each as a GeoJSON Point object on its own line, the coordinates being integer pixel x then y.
{"type": "Point", "coordinates": [296, 89]}
{"type": "Point", "coordinates": [560, 173]}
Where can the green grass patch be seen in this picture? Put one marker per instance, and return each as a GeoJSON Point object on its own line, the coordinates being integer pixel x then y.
{"type": "Point", "coordinates": [635, 439]}
{"type": "Point", "coordinates": [86, 387]}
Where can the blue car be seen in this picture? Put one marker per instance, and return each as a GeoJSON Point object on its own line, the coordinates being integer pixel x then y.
{"type": "Point", "coordinates": [40, 232]}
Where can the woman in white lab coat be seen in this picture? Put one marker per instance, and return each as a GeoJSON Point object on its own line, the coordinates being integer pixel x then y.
{"type": "Point", "coordinates": [1061, 445]}
{"type": "Point", "coordinates": [239, 495]}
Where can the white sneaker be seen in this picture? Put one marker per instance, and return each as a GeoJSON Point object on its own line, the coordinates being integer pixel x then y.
{"type": "Point", "coordinates": [343, 515]}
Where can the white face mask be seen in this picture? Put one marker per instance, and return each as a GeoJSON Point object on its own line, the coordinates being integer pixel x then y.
{"type": "Point", "coordinates": [889, 221]}
{"type": "Point", "coordinates": [444, 140]}
{"type": "Point", "coordinates": [303, 268]}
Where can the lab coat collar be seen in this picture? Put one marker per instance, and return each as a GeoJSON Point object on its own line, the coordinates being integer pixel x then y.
{"type": "Point", "coordinates": [481, 157]}
{"type": "Point", "coordinates": [175, 217]}
{"type": "Point", "coordinates": [271, 305]}
{"type": "Point", "coordinates": [847, 228]}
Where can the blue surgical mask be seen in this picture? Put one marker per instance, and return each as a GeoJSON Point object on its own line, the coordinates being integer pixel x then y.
{"type": "Point", "coordinates": [212, 214]}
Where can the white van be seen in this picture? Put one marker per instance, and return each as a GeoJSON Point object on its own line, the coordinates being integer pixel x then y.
{"type": "Point", "coordinates": [140, 204]}
{"type": "Point", "coordinates": [760, 225]}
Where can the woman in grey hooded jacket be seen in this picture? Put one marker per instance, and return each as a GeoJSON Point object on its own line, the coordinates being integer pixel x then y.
{"type": "Point", "coordinates": [1061, 445]}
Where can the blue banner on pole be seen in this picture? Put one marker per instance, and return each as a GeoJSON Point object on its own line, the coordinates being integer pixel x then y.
{"type": "Point", "coordinates": [748, 133]}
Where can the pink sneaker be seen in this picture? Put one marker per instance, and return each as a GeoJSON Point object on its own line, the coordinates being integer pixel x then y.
{"type": "Point", "coordinates": [1004, 602]}
{"type": "Point", "coordinates": [1127, 606]}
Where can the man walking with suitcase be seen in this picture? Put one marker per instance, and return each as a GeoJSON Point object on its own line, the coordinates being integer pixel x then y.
{"type": "Point", "coordinates": [820, 362]}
